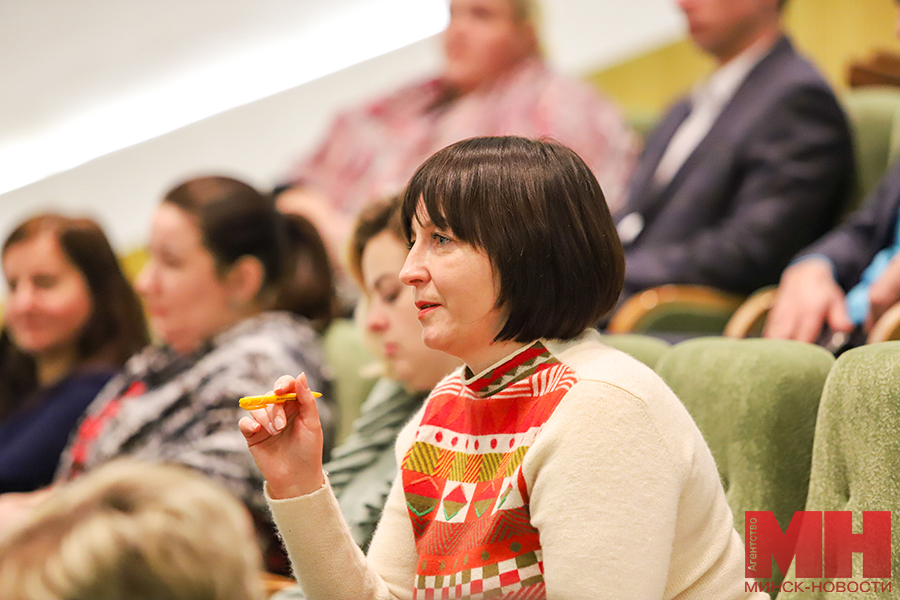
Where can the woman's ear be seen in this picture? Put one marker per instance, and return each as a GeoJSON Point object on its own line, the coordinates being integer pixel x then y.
{"type": "Point", "coordinates": [245, 279]}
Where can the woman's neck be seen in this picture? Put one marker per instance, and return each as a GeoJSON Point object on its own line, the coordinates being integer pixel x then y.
{"type": "Point", "coordinates": [53, 366]}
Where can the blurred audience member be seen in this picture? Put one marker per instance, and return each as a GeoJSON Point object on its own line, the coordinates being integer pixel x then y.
{"type": "Point", "coordinates": [362, 469]}
{"type": "Point", "coordinates": [217, 268]}
{"type": "Point", "coordinates": [71, 320]}
{"type": "Point", "coordinates": [133, 530]}
{"type": "Point", "coordinates": [747, 170]}
{"type": "Point", "coordinates": [839, 286]}
{"type": "Point", "coordinates": [494, 83]}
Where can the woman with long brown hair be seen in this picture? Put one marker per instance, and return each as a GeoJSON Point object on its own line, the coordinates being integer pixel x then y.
{"type": "Point", "coordinates": [71, 320]}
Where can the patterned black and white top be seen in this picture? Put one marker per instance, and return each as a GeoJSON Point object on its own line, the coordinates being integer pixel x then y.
{"type": "Point", "coordinates": [184, 408]}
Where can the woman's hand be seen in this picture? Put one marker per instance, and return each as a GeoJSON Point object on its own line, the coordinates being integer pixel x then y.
{"type": "Point", "coordinates": [286, 441]}
{"type": "Point", "coordinates": [16, 506]}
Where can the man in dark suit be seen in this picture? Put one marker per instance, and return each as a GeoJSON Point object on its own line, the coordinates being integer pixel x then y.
{"type": "Point", "coordinates": [846, 280]}
{"type": "Point", "coordinates": [749, 169]}
{"type": "Point", "coordinates": [813, 290]}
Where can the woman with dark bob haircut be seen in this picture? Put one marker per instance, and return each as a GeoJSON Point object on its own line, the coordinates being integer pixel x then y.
{"type": "Point", "coordinates": [550, 465]}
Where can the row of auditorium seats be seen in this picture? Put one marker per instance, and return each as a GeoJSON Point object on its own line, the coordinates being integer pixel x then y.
{"type": "Point", "coordinates": [788, 425]}
{"type": "Point", "coordinates": [874, 114]}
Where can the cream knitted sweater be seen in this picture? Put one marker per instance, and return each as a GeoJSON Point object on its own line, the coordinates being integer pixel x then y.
{"type": "Point", "coordinates": [620, 486]}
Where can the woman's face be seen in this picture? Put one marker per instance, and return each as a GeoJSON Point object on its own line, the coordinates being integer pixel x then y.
{"type": "Point", "coordinates": [49, 300]}
{"type": "Point", "coordinates": [483, 40]}
{"type": "Point", "coordinates": [391, 317]}
{"type": "Point", "coordinates": [455, 294]}
{"type": "Point", "coordinates": [187, 301]}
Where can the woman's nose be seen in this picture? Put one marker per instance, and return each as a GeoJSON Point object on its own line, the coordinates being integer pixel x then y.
{"type": "Point", "coordinates": [375, 319]}
{"type": "Point", "coordinates": [22, 298]}
{"type": "Point", "coordinates": [413, 271]}
{"type": "Point", "coordinates": [143, 280]}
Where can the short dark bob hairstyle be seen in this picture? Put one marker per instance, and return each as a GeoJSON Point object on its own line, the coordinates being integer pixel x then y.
{"type": "Point", "coordinates": [538, 212]}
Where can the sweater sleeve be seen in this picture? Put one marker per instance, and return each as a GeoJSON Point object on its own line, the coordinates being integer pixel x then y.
{"type": "Point", "coordinates": [626, 511]}
{"type": "Point", "coordinates": [328, 563]}
{"type": "Point", "coordinates": [605, 514]}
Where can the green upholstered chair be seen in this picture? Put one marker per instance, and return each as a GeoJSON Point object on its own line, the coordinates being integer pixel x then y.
{"type": "Point", "coordinates": [874, 114]}
{"type": "Point", "coordinates": [856, 457]}
{"type": "Point", "coordinates": [348, 358]}
{"type": "Point", "coordinates": [645, 348]}
{"type": "Point", "coordinates": [755, 401]}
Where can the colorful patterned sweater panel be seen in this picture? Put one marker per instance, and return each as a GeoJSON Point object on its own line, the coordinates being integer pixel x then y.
{"type": "Point", "coordinates": [465, 492]}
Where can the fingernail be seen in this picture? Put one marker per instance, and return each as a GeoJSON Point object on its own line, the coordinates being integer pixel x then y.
{"type": "Point", "coordinates": [279, 423]}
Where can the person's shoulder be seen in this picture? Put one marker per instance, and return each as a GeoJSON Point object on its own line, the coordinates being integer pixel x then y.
{"type": "Point", "coordinates": [611, 382]}
{"type": "Point", "coordinates": [596, 364]}
{"type": "Point", "coordinates": [409, 97]}
{"type": "Point", "coordinates": [276, 326]}
{"type": "Point", "coordinates": [786, 68]}
{"type": "Point", "coordinates": [282, 339]}
{"type": "Point", "coordinates": [552, 83]}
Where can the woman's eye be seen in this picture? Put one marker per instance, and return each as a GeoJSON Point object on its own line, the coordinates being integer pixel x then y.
{"type": "Point", "coordinates": [169, 260]}
{"type": "Point", "coordinates": [440, 239]}
{"type": "Point", "coordinates": [45, 281]}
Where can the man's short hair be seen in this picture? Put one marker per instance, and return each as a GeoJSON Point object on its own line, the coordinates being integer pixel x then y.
{"type": "Point", "coordinates": [538, 212]}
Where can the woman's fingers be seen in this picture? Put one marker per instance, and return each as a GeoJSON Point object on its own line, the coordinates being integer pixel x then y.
{"type": "Point", "coordinates": [275, 417]}
{"type": "Point", "coordinates": [253, 431]}
{"type": "Point", "coordinates": [306, 400]}
{"type": "Point", "coordinates": [284, 385]}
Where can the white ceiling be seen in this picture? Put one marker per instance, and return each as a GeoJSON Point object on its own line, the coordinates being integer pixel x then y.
{"type": "Point", "coordinates": [91, 88]}
{"type": "Point", "coordinates": [61, 56]}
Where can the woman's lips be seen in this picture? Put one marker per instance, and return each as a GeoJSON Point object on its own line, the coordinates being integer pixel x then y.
{"type": "Point", "coordinates": [425, 307]}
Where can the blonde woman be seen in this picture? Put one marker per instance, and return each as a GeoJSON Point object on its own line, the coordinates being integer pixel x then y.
{"type": "Point", "coordinates": [134, 530]}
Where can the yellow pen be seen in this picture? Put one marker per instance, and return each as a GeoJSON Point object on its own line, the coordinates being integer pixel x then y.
{"type": "Point", "coordinates": [254, 402]}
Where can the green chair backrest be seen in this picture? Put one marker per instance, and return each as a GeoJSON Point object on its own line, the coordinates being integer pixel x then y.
{"type": "Point", "coordinates": [755, 401]}
{"type": "Point", "coordinates": [873, 114]}
{"type": "Point", "coordinates": [645, 348]}
{"type": "Point", "coordinates": [346, 357]}
{"type": "Point", "coordinates": [856, 457]}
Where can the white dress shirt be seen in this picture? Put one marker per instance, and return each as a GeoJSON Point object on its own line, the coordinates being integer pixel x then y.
{"type": "Point", "coordinates": [708, 99]}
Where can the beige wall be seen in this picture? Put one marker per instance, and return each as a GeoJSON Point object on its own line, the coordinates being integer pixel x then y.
{"type": "Point", "coordinates": [833, 33]}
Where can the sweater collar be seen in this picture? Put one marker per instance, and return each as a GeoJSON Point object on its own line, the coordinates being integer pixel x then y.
{"type": "Point", "coordinates": [517, 366]}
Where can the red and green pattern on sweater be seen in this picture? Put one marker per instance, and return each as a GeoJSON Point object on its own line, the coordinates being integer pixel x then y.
{"type": "Point", "coordinates": [465, 492]}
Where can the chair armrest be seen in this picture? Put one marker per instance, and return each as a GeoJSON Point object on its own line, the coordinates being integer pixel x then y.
{"type": "Point", "coordinates": [887, 327]}
{"type": "Point", "coordinates": [676, 308]}
{"type": "Point", "coordinates": [748, 320]}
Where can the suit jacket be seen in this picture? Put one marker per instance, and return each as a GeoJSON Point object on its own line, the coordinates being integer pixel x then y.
{"type": "Point", "coordinates": [767, 180]}
{"type": "Point", "coordinates": [867, 231]}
